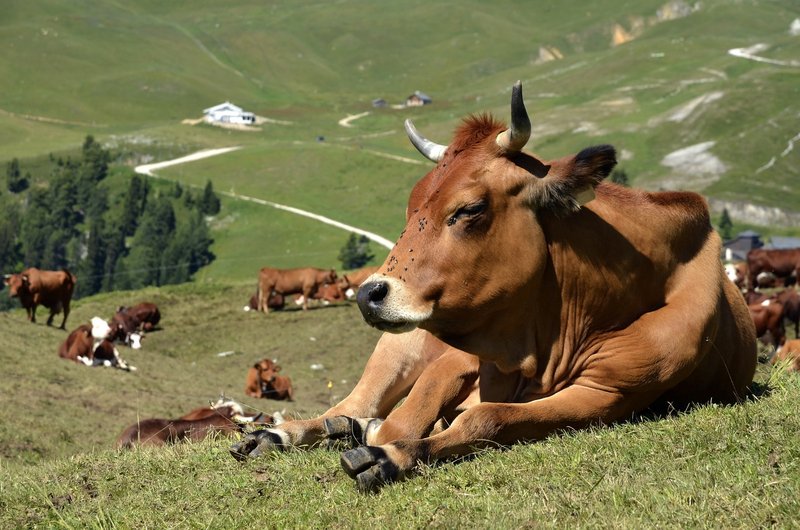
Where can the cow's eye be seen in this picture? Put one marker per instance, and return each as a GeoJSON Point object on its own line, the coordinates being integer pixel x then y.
{"type": "Point", "coordinates": [468, 211]}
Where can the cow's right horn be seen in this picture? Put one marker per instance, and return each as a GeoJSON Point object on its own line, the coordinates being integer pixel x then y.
{"type": "Point", "coordinates": [431, 150]}
{"type": "Point", "coordinates": [513, 139]}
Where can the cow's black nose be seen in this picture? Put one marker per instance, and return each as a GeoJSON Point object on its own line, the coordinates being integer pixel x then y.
{"type": "Point", "coordinates": [373, 292]}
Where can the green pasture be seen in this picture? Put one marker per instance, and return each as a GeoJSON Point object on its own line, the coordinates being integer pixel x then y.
{"type": "Point", "coordinates": [721, 467]}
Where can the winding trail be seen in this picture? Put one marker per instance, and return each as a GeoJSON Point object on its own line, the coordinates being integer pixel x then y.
{"type": "Point", "coordinates": [147, 169]}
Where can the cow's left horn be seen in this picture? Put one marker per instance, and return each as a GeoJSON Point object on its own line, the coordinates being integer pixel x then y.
{"type": "Point", "coordinates": [514, 139]}
{"type": "Point", "coordinates": [431, 150]}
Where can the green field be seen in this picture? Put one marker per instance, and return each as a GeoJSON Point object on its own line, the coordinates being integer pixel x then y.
{"type": "Point", "coordinates": [129, 71]}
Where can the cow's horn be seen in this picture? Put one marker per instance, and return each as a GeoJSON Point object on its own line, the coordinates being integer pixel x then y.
{"type": "Point", "coordinates": [431, 150]}
{"type": "Point", "coordinates": [514, 139]}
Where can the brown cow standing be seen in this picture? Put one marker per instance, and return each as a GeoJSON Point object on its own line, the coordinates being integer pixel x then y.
{"type": "Point", "coordinates": [263, 381]}
{"type": "Point", "coordinates": [52, 289]}
{"type": "Point", "coordinates": [303, 281]}
{"type": "Point", "coordinates": [783, 263]}
{"type": "Point", "coordinates": [790, 351]}
{"type": "Point", "coordinates": [565, 302]}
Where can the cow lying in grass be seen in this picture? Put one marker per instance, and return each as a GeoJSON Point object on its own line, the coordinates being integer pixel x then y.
{"type": "Point", "coordinates": [527, 296]}
{"type": "Point", "coordinates": [224, 417]}
{"type": "Point", "coordinates": [263, 381]}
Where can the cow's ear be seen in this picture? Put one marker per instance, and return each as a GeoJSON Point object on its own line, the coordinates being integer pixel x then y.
{"type": "Point", "coordinates": [570, 183]}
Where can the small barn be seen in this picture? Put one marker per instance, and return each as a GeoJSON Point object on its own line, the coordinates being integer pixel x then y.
{"type": "Point", "coordinates": [229, 113]}
{"type": "Point", "coordinates": [417, 99]}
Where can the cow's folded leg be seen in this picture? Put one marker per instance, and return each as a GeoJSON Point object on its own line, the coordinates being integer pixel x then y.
{"type": "Point", "coordinates": [352, 431]}
{"type": "Point", "coordinates": [483, 425]}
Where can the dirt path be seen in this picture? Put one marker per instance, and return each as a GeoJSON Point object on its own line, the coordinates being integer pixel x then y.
{"type": "Point", "coordinates": [147, 169]}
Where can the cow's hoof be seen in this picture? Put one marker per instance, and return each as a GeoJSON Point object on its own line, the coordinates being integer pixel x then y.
{"type": "Point", "coordinates": [259, 443]}
{"type": "Point", "coordinates": [370, 467]}
{"type": "Point", "coordinates": [353, 430]}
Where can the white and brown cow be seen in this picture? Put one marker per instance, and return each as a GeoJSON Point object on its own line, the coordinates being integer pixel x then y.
{"type": "Point", "coordinates": [526, 296]}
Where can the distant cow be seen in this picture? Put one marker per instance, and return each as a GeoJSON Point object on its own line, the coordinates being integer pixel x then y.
{"type": "Point", "coordinates": [34, 287]}
{"type": "Point", "coordinates": [790, 351]}
{"type": "Point", "coordinates": [350, 281]}
{"type": "Point", "coordinates": [768, 317]}
{"type": "Point", "coordinates": [790, 300]}
{"type": "Point", "coordinates": [155, 432]}
{"type": "Point", "coordinates": [145, 314]}
{"type": "Point", "coordinates": [83, 346]}
{"type": "Point", "coordinates": [263, 381]}
{"type": "Point", "coordinates": [327, 293]}
{"type": "Point", "coordinates": [275, 301]}
{"type": "Point", "coordinates": [303, 281]}
{"type": "Point", "coordinates": [737, 273]}
{"type": "Point", "coordinates": [783, 263]}
{"type": "Point", "coordinates": [124, 328]}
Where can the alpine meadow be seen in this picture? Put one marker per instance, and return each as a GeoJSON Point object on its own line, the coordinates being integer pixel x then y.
{"type": "Point", "coordinates": [100, 101]}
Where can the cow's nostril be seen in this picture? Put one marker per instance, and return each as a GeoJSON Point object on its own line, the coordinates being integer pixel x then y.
{"type": "Point", "coordinates": [377, 291]}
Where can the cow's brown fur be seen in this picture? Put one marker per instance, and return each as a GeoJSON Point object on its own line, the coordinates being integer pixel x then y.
{"type": "Point", "coordinates": [81, 343]}
{"type": "Point", "coordinates": [353, 279]}
{"type": "Point", "coordinates": [52, 289]}
{"type": "Point", "coordinates": [303, 281]}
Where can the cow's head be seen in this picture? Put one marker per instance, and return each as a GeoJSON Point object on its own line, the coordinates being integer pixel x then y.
{"type": "Point", "coordinates": [473, 244]}
{"type": "Point", "coordinates": [17, 284]}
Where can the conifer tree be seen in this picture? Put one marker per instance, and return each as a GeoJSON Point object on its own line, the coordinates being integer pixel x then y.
{"type": "Point", "coordinates": [209, 203]}
{"type": "Point", "coordinates": [15, 182]}
{"type": "Point", "coordinates": [725, 225]}
{"type": "Point", "coordinates": [356, 252]}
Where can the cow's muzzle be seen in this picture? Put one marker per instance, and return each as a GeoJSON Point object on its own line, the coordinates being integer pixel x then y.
{"type": "Point", "coordinates": [381, 310]}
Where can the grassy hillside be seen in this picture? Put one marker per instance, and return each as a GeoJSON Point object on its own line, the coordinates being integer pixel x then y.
{"type": "Point", "coordinates": [714, 466]}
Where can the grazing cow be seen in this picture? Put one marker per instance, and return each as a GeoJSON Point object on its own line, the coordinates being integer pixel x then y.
{"type": "Point", "coordinates": [226, 420]}
{"type": "Point", "coordinates": [565, 302]}
{"type": "Point", "coordinates": [86, 345]}
{"type": "Point", "coordinates": [350, 281]}
{"type": "Point", "coordinates": [783, 263]}
{"type": "Point", "coordinates": [789, 351]}
{"type": "Point", "coordinates": [767, 316]}
{"type": "Point", "coordinates": [303, 281]}
{"type": "Point", "coordinates": [263, 381]}
{"type": "Point", "coordinates": [34, 287]}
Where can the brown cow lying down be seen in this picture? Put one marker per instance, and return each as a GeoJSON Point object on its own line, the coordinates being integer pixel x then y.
{"type": "Point", "coordinates": [789, 352]}
{"type": "Point", "coordinates": [526, 296]}
{"type": "Point", "coordinates": [263, 381]}
{"type": "Point", "coordinates": [34, 287]}
{"type": "Point", "coordinates": [226, 418]}
{"type": "Point", "coordinates": [303, 281]}
{"type": "Point", "coordinates": [350, 281]}
{"type": "Point", "coordinates": [275, 301]}
{"type": "Point", "coordinates": [85, 345]}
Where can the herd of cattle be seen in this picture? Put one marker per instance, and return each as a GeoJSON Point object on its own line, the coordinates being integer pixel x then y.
{"type": "Point", "coordinates": [771, 269]}
{"type": "Point", "coordinates": [95, 343]}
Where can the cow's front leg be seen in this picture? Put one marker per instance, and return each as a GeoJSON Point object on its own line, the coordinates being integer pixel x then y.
{"type": "Point", "coordinates": [441, 392]}
{"type": "Point", "coordinates": [50, 318]}
{"type": "Point", "coordinates": [487, 424]}
{"type": "Point", "coordinates": [31, 313]}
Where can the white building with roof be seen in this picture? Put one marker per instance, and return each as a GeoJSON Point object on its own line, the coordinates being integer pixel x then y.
{"type": "Point", "coordinates": [229, 113]}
